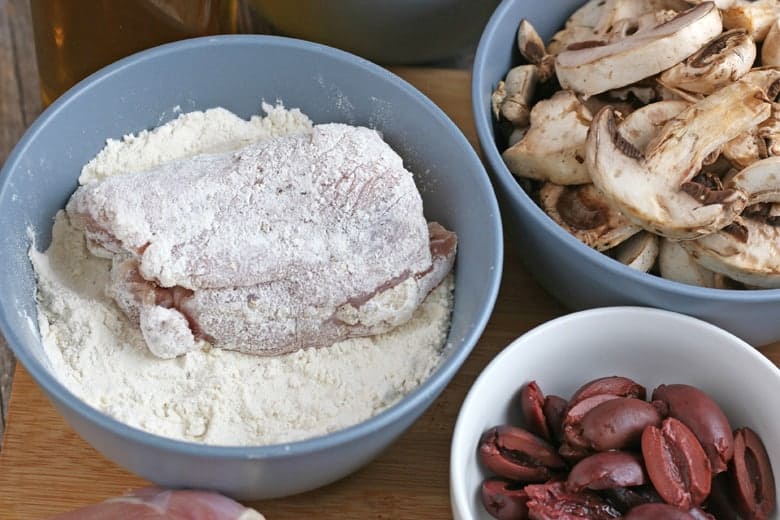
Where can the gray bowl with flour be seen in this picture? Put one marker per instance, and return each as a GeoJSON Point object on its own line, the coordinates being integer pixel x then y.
{"type": "Point", "coordinates": [238, 72]}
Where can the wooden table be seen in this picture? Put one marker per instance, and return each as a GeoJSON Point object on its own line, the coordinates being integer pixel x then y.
{"type": "Point", "coordinates": [45, 468]}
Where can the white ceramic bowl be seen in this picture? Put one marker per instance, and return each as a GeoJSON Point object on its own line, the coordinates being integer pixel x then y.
{"type": "Point", "coordinates": [648, 345]}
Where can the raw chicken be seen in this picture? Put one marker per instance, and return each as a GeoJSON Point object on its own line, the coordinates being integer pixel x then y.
{"type": "Point", "coordinates": [294, 242]}
{"type": "Point", "coordinates": [159, 504]}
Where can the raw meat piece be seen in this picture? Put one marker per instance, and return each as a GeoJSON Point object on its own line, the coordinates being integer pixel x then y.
{"type": "Point", "coordinates": [294, 242]}
{"type": "Point", "coordinates": [159, 504]}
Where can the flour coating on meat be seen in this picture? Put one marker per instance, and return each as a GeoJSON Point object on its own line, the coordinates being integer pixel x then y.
{"type": "Point", "coordinates": [284, 244]}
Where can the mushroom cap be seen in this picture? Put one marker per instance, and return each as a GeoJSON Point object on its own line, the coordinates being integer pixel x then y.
{"type": "Point", "coordinates": [641, 125]}
{"type": "Point", "coordinates": [725, 59]}
{"type": "Point", "coordinates": [597, 69]}
{"type": "Point", "coordinates": [760, 181]}
{"type": "Point", "coordinates": [639, 252]}
{"type": "Point", "coordinates": [553, 148]}
{"type": "Point", "coordinates": [751, 256]}
{"type": "Point", "coordinates": [675, 263]}
{"type": "Point", "coordinates": [648, 188]}
{"type": "Point", "coordinates": [582, 211]}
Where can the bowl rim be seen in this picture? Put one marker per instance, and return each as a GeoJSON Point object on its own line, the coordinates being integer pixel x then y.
{"type": "Point", "coordinates": [460, 502]}
{"type": "Point", "coordinates": [426, 391]}
{"type": "Point", "coordinates": [509, 186]}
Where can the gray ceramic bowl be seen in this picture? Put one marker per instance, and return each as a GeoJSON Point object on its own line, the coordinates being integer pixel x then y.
{"type": "Point", "coordinates": [579, 276]}
{"type": "Point", "coordinates": [400, 31]}
{"type": "Point", "coordinates": [238, 72]}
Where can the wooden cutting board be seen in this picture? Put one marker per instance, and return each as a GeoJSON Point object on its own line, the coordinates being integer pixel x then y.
{"type": "Point", "coordinates": [45, 468]}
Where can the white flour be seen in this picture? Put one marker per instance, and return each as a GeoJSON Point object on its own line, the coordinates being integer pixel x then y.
{"type": "Point", "coordinates": [215, 396]}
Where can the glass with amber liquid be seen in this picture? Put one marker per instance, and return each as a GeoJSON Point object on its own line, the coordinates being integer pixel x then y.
{"type": "Point", "coordinates": [74, 38]}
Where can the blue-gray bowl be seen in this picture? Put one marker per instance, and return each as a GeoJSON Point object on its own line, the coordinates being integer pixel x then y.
{"type": "Point", "coordinates": [578, 276]}
{"type": "Point", "coordinates": [238, 72]}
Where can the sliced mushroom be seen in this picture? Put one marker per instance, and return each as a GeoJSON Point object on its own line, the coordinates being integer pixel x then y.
{"type": "Point", "coordinates": [553, 149]}
{"type": "Point", "coordinates": [597, 69]}
{"type": "Point", "coordinates": [639, 252]}
{"type": "Point", "coordinates": [532, 48]}
{"type": "Point", "coordinates": [768, 78]}
{"type": "Point", "coordinates": [770, 51]}
{"type": "Point", "coordinates": [760, 181]}
{"type": "Point", "coordinates": [572, 37]}
{"type": "Point", "coordinates": [617, 12]}
{"type": "Point", "coordinates": [497, 99]}
{"type": "Point", "coordinates": [769, 131]}
{"type": "Point", "coordinates": [602, 21]}
{"type": "Point", "coordinates": [583, 212]}
{"type": "Point", "coordinates": [745, 149]}
{"type": "Point", "coordinates": [636, 26]}
{"type": "Point", "coordinates": [654, 189]}
{"type": "Point", "coordinates": [519, 88]}
{"type": "Point", "coordinates": [667, 93]}
{"type": "Point", "coordinates": [755, 16]}
{"type": "Point", "coordinates": [589, 14]}
{"type": "Point", "coordinates": [723, 60]}
{"type": "Point", "coordinates": [675, 263]}
{"type": "Point", "coordinates": [748, 250]}
{"type": "Point", "coordinates": [643, 124]}
{"type": "Point", "coordinates": [722, 4]}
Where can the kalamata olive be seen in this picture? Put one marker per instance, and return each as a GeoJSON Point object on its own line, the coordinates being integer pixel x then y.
{"type": "Point", "coordinates": [504, 500]}
{"type": "Point", "coordinates": [610, 385]}
{"type": "Point", "coordinates": [624, 499]}
{"type": "Point", "coordinates": [721, 501]}
{"type": "Point", "coordinates": [657, 512]}
{"type": "Point", "coordinates": [572, 422]}
{"type": "Point", "coordinates": [517, 454]}
{"type": "Point", "coordinates": [700, 514]}
{"type": "Point", "coordinates": [531, 406]}
{"type": "Point", "coordinates": [552, 501]}
{"type": "Point", "coordinates": [554, 411]}
{"type": "Point", "coordinates": [618, 423]}
{"type": "Point", "coordinates": [611, 469]}
{"type": "Point", "coordinates": [704, 417]}
{"type": "Point", "coordinates": [751, 471]}
{"type": "Point", "coordinates": [676, 464]}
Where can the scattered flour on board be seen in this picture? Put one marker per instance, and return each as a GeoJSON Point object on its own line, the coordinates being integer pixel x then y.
{"type": "Point", "coordinates": [215, 396]}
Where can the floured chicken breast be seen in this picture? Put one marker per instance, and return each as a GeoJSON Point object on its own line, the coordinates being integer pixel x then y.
{"type": "Point", "coordinates": [298, 241]}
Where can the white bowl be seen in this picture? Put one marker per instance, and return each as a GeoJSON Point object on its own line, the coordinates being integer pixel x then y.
{"type": "Point", "coordinates": [650, 346]}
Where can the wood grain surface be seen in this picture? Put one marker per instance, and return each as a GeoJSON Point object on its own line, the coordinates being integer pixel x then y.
{"type": "Point", "coordinates": [19, 104]}
{"type": "Point", "coordinates": [45, 468]}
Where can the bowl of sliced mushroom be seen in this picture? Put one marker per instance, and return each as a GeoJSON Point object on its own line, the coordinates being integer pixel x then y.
{"type": "Point", "coordinates": [635, 147]}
